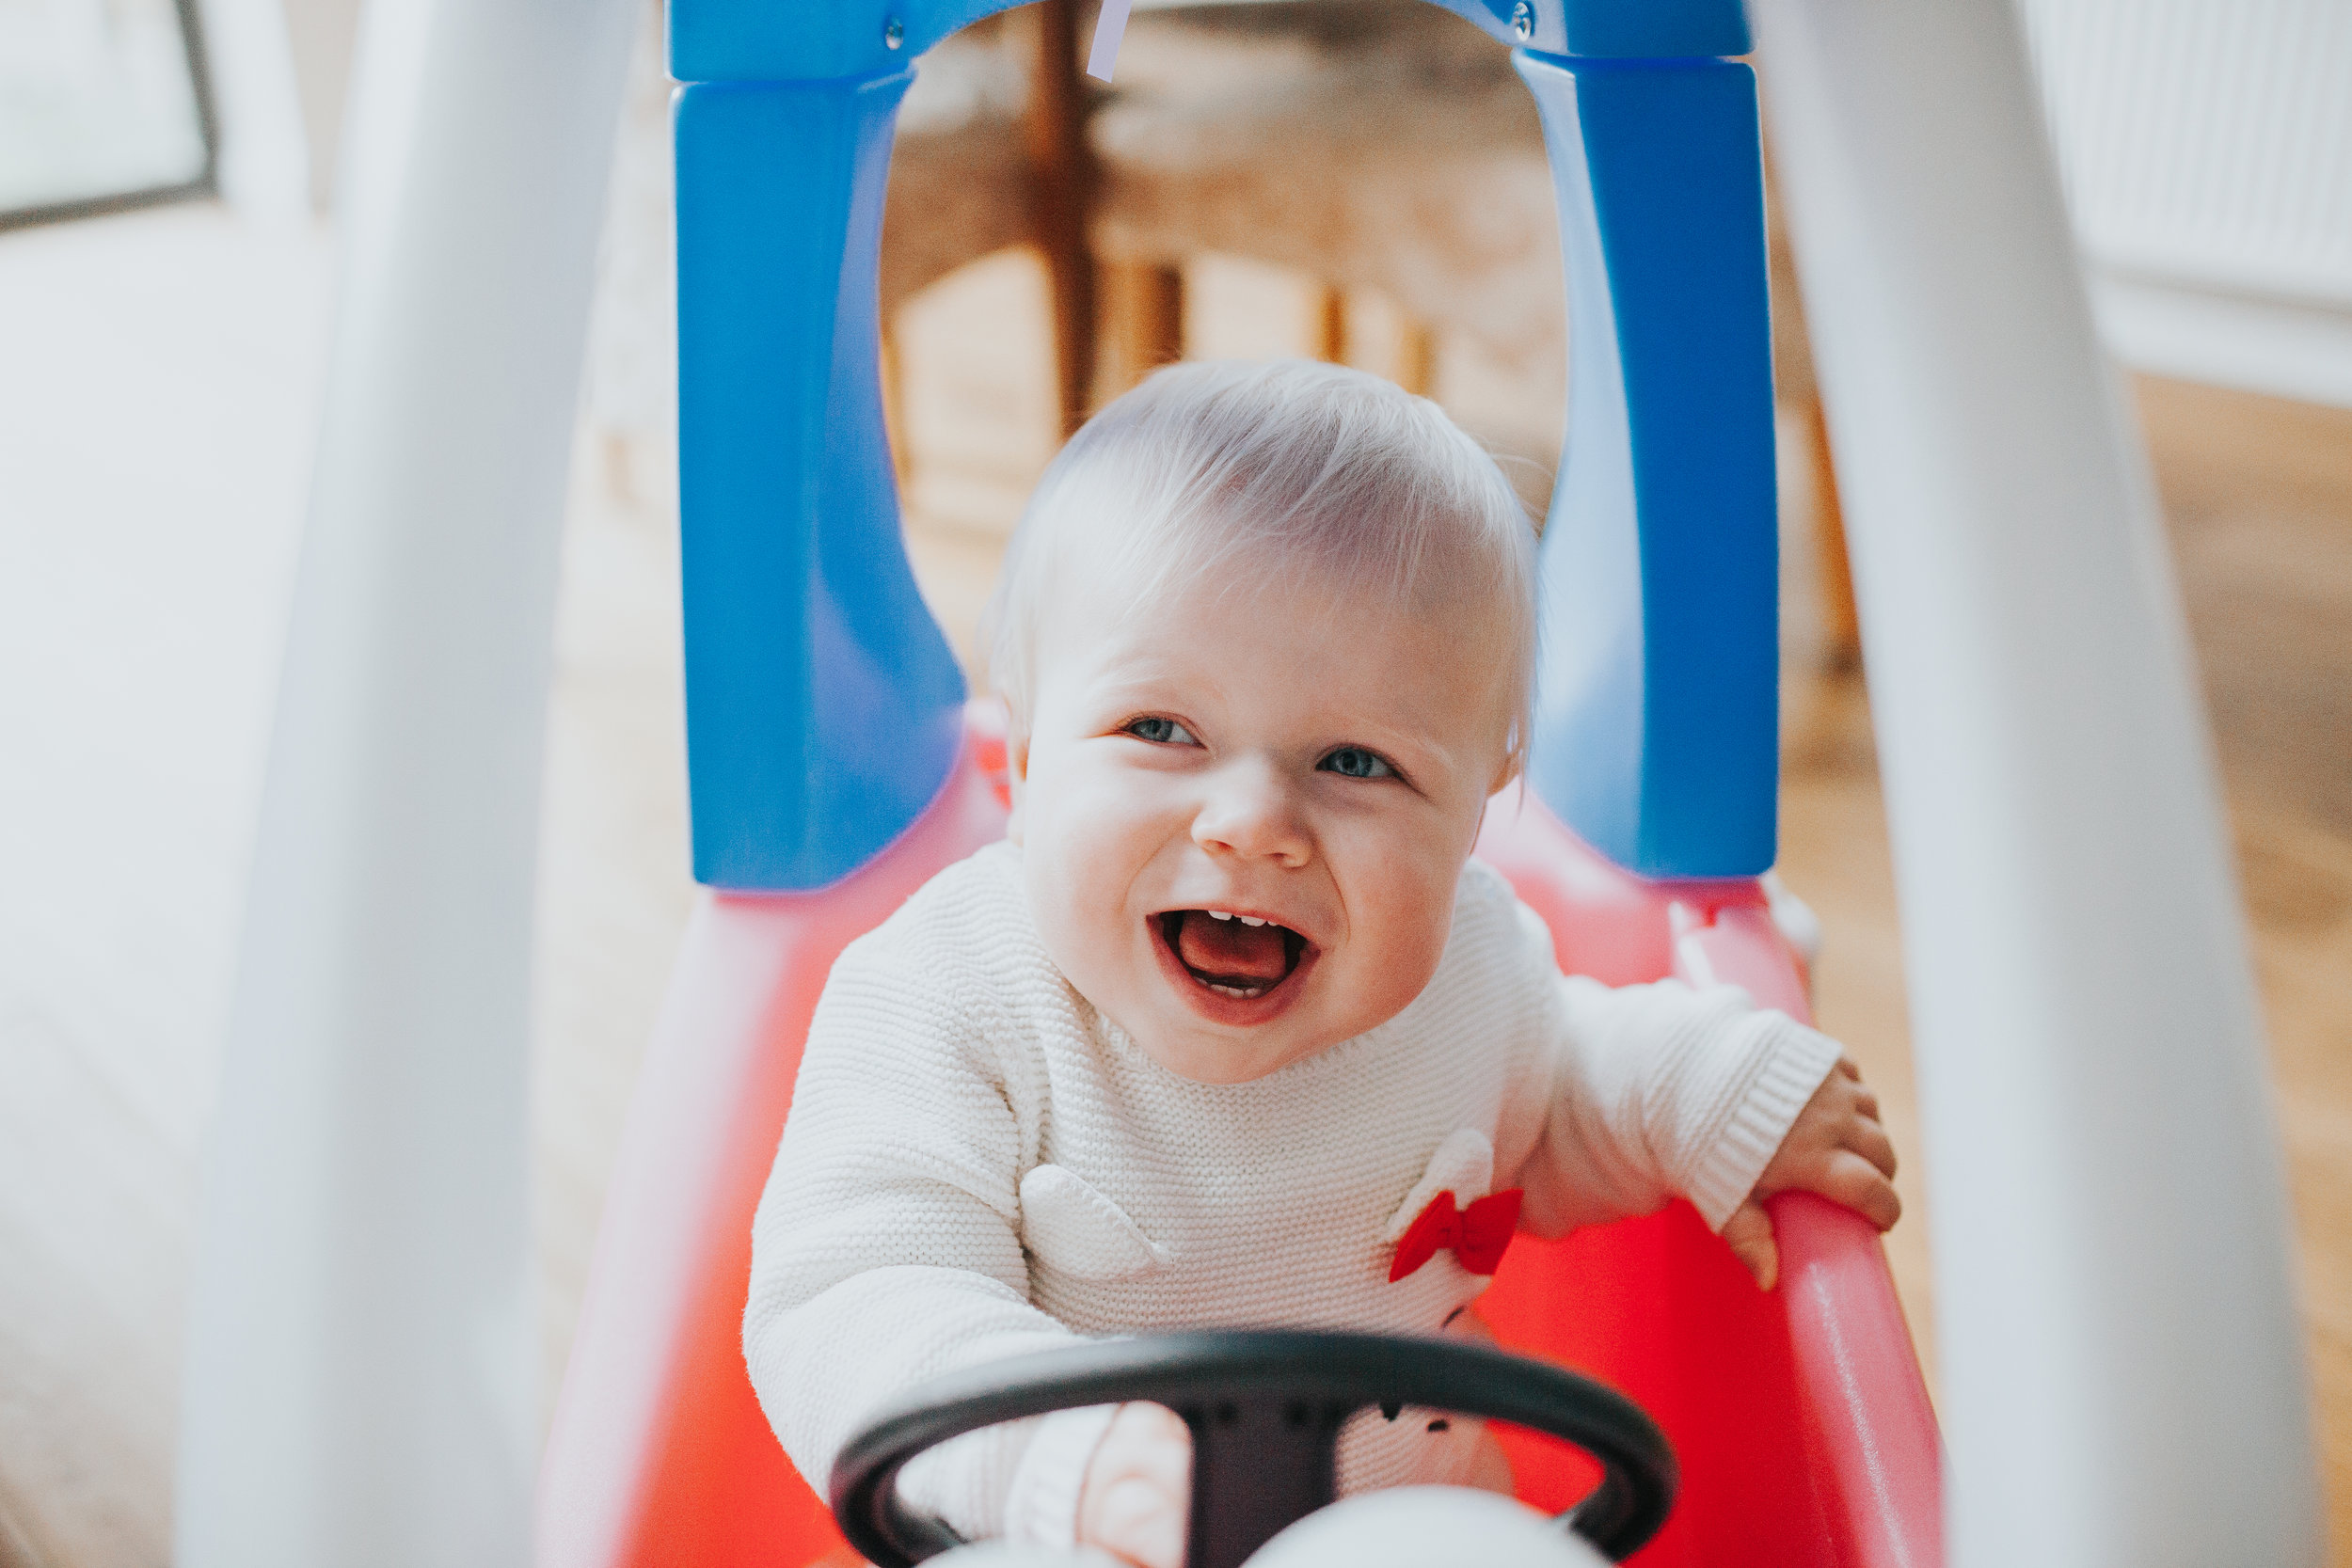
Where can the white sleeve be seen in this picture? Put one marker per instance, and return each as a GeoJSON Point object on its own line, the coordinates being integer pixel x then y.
{"type": "Point", "coordinates": [886, 1248]}
{"type": "Point", "coordinates": [1657, 1090]}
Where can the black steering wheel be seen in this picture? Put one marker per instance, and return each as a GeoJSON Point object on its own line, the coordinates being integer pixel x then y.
{"type": "Point", "coordinates": [1264, 1409]}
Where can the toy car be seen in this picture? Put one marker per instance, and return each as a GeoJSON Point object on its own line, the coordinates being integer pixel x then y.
{"type": "Point", "coordinates": [834, 770]}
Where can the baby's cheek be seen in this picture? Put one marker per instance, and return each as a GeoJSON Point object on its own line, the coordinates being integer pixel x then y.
{"type": "Point", "coordinates": [1082, 859]}
{"type": "Point", "coordinates": [1407, 938]}
{"type": "Point", "coordinates": [1080, 843]}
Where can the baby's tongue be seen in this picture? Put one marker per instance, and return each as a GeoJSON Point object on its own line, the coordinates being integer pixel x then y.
{"type": "Point", "coordinates": [1229, 949]}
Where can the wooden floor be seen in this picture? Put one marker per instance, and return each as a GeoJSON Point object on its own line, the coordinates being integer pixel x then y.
{"type": "Point", "coordinates": [124, 855]}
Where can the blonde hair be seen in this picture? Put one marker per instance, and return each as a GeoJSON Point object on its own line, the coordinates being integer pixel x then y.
{"type": "Point", "coordinates": [1314, 472]}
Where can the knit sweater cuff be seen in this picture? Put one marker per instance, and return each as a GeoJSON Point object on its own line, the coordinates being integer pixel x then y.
{"type": "Point", "coordinates": [1041, 1503]}
{"type": "Point", "coordinates": [1786, 1064]}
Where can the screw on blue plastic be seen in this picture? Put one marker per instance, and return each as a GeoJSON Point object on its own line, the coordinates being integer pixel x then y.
{"type": "Point", "coordinates": [823, 705]}
{"type": "Point", "coordinates": [1657, 730]}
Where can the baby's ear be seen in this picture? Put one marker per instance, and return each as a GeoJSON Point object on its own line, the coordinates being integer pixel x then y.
{"type": "Point", "coordinates": [1510, 767]}
{"type": "Point", "coordinates": [1512, 763]}
{"type": "Point", "coordinates": [1016, 779]}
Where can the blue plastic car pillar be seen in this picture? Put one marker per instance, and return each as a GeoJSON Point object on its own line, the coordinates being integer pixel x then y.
{"type": "Point", "coordinates": [1657, 728]}
{"type": "Point", "coordinates": [823, 704]}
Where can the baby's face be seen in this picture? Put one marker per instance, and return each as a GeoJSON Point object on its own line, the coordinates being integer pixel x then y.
{"type": "Point", "coordinates": [1242, 815]}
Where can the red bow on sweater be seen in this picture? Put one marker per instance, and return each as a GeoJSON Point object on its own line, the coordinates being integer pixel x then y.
{"type": "Point", "coordinates": [1477, 1234]}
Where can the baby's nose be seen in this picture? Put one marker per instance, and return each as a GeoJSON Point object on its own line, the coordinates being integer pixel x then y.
{"type": "Point", "coordinates": [1249, 814]}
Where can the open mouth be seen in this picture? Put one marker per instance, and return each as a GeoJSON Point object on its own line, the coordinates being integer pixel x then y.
{"type": "Point", "coordinates": [1240, 956]}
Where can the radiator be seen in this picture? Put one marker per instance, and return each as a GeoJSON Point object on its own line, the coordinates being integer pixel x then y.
{"type": "Point", "coordinates": [2206, 150]}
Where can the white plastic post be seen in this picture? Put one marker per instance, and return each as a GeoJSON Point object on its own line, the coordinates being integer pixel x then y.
{"type": "Point", "coordinates": [2121, 1371]}
{"type": "Point", "coordinates": [361, 1384]}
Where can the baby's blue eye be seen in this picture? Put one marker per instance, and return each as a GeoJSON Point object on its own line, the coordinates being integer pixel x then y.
{"type": "Point", "coordinates": [1354, 762]}
{"type": "Point", "coordinates": [1162, 732]}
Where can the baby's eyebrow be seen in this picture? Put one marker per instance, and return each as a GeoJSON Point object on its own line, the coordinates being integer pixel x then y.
{"type": "Point", "coordinates": [1148, 672]}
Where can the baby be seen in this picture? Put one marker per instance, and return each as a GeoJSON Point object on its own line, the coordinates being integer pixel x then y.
{"type": "Point", "coordinates": [1231, 1006]}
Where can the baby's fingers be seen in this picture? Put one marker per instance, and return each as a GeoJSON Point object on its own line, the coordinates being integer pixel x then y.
{"type": "Point", "coordinates": [1139, 1519]}
{"type": "Point", "coordinates": [1849, 1178]}
{"type": "Point", "coordinates": [1749, 1234]}
{"type": "Point", "coordinates": [1137, 1493]}
{"type": "Point", "coordinates": [1870, 1140]}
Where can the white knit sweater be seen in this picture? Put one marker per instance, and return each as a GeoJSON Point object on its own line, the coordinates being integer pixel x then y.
{"type": "Point", "coordinates": [979, 1164]}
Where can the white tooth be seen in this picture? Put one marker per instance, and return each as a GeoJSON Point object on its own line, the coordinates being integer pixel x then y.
{"type": "Point", "coordinates": [1219, 914]}
{"type": "Point", "coordinates": [1251, 920]}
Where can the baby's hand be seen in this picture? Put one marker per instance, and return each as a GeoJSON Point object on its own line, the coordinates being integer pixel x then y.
{"type": "Point", "coordinates": [1835, 1148]}
{"type": "Point", "coordinates": [1137, 1494]}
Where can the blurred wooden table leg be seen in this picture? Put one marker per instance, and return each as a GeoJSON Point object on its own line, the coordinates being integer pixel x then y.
{"type": "Point", "coordinates": [1331, 325]}
{"type": "Point", "coordinates": [1059, 186]}
{"type": "Point", "coordinates": [1145, 314]}
{"type": "Point", "coordinates": [1841, 625]}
